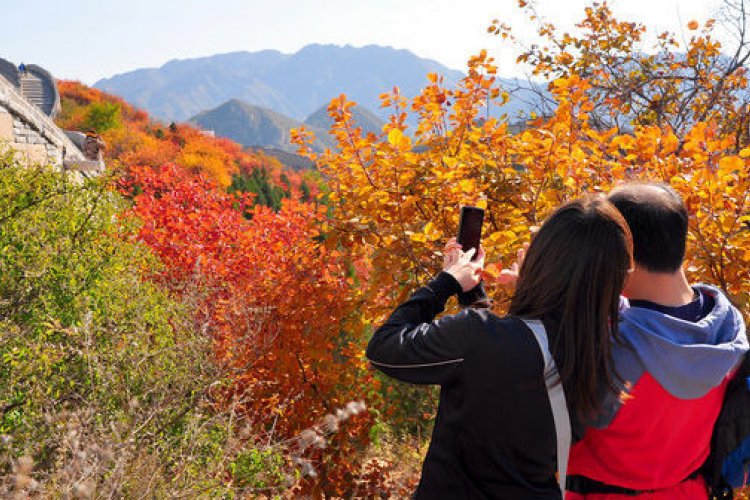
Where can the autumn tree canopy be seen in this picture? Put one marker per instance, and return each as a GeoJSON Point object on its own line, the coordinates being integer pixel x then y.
{"type": "Point", "coordinates": [677, 116]}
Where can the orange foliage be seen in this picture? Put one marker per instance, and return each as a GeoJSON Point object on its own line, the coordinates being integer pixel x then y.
{"type": "Point", "coordinates": [203, 154]}
{"type": "Point", "coordinates": [274, 302]}
{"type": "Point", "coordinates": [672, 84]}
{"type": "Point", "coordinates": [138, 141]}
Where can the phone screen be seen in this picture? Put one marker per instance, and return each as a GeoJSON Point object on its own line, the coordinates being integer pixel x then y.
{"type": "Point", "coordinates": [470, 228]}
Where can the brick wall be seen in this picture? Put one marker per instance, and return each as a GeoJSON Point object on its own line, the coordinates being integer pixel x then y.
{"type": "Point", "coordinates": [31, 146]}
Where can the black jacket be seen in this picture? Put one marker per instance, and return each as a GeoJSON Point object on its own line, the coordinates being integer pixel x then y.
{"type": "Point", "coordinates": [494, 434]}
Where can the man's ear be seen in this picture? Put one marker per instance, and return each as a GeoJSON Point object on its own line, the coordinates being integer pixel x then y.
{"type": "Point", "coordinates": [633, 274]}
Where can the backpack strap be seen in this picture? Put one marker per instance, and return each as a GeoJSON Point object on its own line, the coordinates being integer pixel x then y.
{"type": "Point", "coordinates": [556, 399]}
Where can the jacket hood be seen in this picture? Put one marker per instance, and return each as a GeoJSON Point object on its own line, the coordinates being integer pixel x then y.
{"type": "Point", "coordinates": [688, 359]}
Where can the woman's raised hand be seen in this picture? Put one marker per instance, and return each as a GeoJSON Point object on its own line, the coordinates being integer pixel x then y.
{"type": "Point", "coordinates": [510, 276]}
{"type": "Point", "coordinates": [458, 264]}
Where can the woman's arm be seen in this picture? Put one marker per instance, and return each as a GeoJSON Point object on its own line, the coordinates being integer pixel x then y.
{"type": "Point", "coordinates": [410, 345]}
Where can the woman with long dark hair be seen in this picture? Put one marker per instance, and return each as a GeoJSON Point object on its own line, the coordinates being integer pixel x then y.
{"type": "Point", "coordinates": [511, 385]}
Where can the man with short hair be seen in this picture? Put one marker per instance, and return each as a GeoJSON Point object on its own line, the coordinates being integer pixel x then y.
{"type": "Point", "coordinates": [678, 346]}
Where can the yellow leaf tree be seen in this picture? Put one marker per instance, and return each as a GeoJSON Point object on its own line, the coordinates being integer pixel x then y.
{"type": "Point", "coordinates": [396, 196]}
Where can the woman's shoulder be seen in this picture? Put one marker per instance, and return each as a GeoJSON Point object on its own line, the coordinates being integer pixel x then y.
{"type": "Point", "coordinates": [508, 326]}
{"type": "Point", "coordinates": [505, 340]}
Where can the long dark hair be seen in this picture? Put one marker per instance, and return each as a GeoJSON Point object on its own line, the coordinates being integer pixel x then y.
{"type": "Point", "coordinates": [573, 273]}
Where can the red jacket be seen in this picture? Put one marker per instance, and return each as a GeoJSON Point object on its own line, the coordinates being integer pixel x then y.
{"type": "Point", "coordinates": [675, 374]}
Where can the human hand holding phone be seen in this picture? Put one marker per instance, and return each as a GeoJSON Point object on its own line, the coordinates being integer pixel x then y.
{"type": "Point", "coordinates": [462, 266]}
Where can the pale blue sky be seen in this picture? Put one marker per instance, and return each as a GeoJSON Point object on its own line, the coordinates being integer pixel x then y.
{"type": "Point", "coordinates": [90, 39]}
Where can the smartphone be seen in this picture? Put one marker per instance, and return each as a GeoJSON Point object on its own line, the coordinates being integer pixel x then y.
{"type": "Point", "coordinates": [470, 229]}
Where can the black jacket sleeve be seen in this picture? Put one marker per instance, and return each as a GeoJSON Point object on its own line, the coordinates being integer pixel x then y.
{"type": "Point", "coordinates": [476, 297]}
{"type": "Point", "coordinates": [412, 347]}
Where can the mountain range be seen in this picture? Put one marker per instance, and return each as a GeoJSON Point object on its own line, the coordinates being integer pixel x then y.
{"type": "Point", "coordinates": [295, 85]}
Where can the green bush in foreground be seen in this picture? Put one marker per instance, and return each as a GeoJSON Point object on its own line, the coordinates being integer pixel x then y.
{"type": "Point", "coordinates": [104, 380]}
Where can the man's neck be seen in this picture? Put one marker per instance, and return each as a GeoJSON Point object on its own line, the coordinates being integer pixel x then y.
{"type": "Point", "coordinates": [666, 289]}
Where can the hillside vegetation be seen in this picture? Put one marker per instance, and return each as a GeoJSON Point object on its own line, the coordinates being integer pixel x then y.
{"type": "Point", "coordinates": [174, 328]}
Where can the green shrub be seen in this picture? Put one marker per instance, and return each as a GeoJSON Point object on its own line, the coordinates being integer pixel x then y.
{"type": "Point", "coordinates": [258, 182]}
{"type": "Point", "coordinates": [259, 469]}
{"type": "Point", "coordinates": [101, 369]}
{"type": "Point", "coordinates": [103, 116]}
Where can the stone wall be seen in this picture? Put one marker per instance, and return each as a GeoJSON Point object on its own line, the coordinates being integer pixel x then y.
{"type": "Point", "coordinates": [35, 137]}
{"type": "Point", "coordinates": [31, 146]}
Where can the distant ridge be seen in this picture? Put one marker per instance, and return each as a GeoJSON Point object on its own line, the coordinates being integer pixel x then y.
{"type": "Point", "coordinates": [295, 85]}
{"type": "Point", "coordinates": [248, 125]}
{"type": "Point", "coordinates": [363, 117]}
{"type": "Point", "coordinates": [257, 127]}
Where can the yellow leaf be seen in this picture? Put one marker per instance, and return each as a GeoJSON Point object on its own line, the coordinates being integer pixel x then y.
{"type": "Point", "coordinates": [466, 185]}
{"type": "Point", "coordinates": [578, 155]}
{"type": "Point", "coordinates": [382, 196]}
{"type": "Point", "coordinates": [450, 161]}
{"type": "Point", "coordinates": [431, 232]}
{"type": "Point", "coordinates": [730, 164]}
{"type": "Point", "coordinates": [418, 237]}
{"type": "Point", "coordinates": [625, 142]}
{"type": "Point", "coordinates": [492, 270]}
{"type": "Point", "coordinates": [744, 153]}
{"type": "Point", "coordinates": [394, 136]}
{"type": "Point", "coordinates": [398, 139]}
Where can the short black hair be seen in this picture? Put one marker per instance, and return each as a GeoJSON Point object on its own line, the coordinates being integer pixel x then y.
{"type": "Point", "coordinates": [658, 221]}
